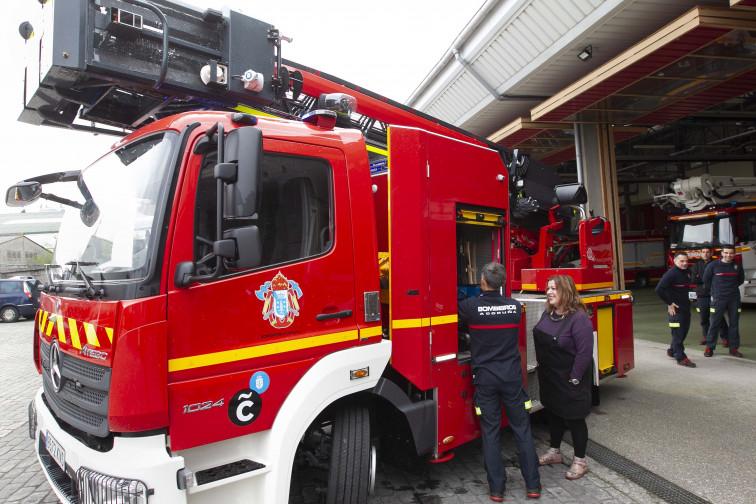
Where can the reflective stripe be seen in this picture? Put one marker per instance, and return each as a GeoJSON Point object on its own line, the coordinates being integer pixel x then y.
{"type": "Point", "coordinates": [674, 324]}
{"type": "Point", "coordinates": [424, 322]}
{"type": "Point", "coordinates": [501, 326]}
{"type": "Point", "coordinates": [383, 152]}
{"type": "Point", "coordinates": [67, 330]}
{"type": "Point", "coordinates": [197, 361]}
{"type": "Point", "coordinates": [528, 404]}
{"type": "Point", "coordinates": [712, 310]}
{"type": "Point", "coordinates": [477, 411]}
{"type": "Point", "coordinates": [408, 323]}
{"type": "Point", "coordinates": [698, 310]}
{"type": "Point", "coordinates": [369, 332]}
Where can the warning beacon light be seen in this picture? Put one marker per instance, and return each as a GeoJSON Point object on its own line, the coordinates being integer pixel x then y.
{"type": "Point", "coordinates": [341, 103]}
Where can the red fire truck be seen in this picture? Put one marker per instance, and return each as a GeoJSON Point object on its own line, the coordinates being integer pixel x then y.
{"type": "Point", "coordinates": [715, 210]}
{"type": "Point", "coordinates": [235, 297]}
{"type": "Point", "coordinates": [644, 257]}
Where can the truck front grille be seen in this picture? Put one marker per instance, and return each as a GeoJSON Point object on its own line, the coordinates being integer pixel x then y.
{"type": "Point", "coordinates": [82, 400]}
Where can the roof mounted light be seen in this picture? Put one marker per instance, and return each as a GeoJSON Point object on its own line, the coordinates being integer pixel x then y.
{"type": "Point", "coordinates": [586, 54]}
{"type": "Point", "coordinates": [324, 119]}
{"type": "Point", "coordinates": [341, 103]}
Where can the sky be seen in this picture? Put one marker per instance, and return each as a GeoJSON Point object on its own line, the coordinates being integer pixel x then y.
{"type": "Point", "coordinates": [388, 47]}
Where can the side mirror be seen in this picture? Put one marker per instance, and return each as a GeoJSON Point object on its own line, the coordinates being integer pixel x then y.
{"type": "Point", "coordinates": [240, 248]}
{"type": "Point", "coordinates": [23, 193]}
{"type": "Point", "coordinates": [243, 147]}
{"type": "Point", "coordinates": [248, 247]}
{"type": "Point", "coordinates": [570, 194]}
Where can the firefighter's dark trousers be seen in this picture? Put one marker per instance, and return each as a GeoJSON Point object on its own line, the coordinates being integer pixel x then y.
{"type": "Point", "coordinates": [703, 304]}
{"type": "Point", "coordinates": [490, 398]}
{"type": "Point", "coordinates": [678, 326]}
{"type": "Point", "coordinates": [718, 309]}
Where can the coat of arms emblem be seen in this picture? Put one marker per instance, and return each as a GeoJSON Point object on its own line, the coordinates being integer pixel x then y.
{"type": "Point", "coordinates": [280, 298]}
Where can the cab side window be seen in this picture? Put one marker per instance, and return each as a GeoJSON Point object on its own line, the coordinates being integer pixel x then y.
{"type": "Point", "coordinates": [296, 210]}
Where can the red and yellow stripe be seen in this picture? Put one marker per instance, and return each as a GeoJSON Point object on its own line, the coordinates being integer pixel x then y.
{"type": "Point", "coordinates": [74, 332]}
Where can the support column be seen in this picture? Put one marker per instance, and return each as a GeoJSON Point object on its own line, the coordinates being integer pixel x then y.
{"type": "Point", "coordinates": [599, 174]}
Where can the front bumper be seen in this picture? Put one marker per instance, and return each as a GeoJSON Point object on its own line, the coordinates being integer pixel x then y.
{"type": "Point", "coordinates": [136, 459]}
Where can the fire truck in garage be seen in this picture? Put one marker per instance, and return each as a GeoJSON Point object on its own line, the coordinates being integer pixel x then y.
{"type": "Point", "coordinates": [242, 289]}
{"type": "Point", "coordinates": [716, 210]}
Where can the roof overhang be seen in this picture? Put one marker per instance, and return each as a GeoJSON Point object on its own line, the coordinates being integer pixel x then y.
{"type": "Point", "coordinates": [703, 58]}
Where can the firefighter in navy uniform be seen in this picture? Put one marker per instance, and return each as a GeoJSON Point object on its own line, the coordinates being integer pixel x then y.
{"type": "Point", "coordinates": [724, 277]}
{"type": "Point", "coordinates": [673, 289]}
{"type": "Point", "coordinates": [703, 295]}
{"type": "Point", "coordinates": [493, 322]}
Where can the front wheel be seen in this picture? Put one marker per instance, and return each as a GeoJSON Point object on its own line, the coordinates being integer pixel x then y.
{"type": "Point", "coordinates": [9, 314]}
{"type": "Point", "coordinates": [352, 457]}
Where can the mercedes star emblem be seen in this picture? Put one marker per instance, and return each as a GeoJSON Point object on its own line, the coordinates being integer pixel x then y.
{"type": "Point", "coordinates": [55, 375]}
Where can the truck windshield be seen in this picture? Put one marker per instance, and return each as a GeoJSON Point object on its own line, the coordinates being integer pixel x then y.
{"type": "Point", "coordinates": [695, 233]}
{"type": "Point", "coordinates": [128, 185]}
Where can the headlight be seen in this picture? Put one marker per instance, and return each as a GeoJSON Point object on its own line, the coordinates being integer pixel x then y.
{"type": "Point", "coordinates": [97, 488]}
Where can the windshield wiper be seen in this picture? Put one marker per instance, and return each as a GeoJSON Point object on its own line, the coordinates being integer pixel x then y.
{"type": "Point", "coordinates": [88, 290]}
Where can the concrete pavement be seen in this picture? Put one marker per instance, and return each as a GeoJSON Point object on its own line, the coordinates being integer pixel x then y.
{"type": "Point", "coordinates": [693, 427]}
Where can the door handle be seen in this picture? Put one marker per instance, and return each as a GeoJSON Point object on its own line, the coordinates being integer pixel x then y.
{"type": "Point", "coordinates": [338, 314]}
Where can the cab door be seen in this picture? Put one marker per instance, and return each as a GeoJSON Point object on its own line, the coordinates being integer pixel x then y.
{"type": "Point", "coordinates": [238, 344]}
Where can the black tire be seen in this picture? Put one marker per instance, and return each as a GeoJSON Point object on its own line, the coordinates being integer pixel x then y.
{"type": "Point", "coordinates": [9, 314]}
{"type": "Point", "coordinates": [641, 280]}
{"type": "Point", "coordinates": [349, 475]}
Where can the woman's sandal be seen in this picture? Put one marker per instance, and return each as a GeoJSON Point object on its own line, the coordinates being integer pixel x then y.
{"type": "Point", "coordinates": [552, 456]}
{"type": "Point", "coordinates": [578, 469]}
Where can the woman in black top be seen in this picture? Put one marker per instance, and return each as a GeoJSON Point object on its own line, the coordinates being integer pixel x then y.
{"type": "Point", "coordinates": [564, 349]}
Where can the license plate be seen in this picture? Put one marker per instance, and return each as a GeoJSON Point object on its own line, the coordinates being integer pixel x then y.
{"type": "Point", "coordinates": [55, 450]}
{"type": "Point", "coordinates": [692, 295]}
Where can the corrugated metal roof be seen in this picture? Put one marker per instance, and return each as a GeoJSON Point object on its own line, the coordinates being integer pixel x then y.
{"type": "Point", "coordinates": [529, 47]}
{"type": "Point", "coordinates": [30, 222]}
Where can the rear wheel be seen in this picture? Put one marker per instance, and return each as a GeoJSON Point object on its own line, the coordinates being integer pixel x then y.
{"type": "Point", "coordinates": [349, 478]}
{"type": "Point", "coordinates": [641, 280]}
{"type": "Point", "coordinates": [9, 314]}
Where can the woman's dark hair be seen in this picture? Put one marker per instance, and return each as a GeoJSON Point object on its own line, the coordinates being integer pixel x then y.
{"type": "Point", "coordinates": [569, 295]}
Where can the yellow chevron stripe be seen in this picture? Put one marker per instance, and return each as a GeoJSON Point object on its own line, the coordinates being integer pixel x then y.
{"type": "Point", "coordinates": [47, 320]}
{"type": "Point", "coordinates": [61, 329]}
{"type": "Point", "coordinates": [91, 333]}
{"type": "Point", "coordinates": [210, 359]}
{"type": "Point", "coordinates": [48, 329]}
{"type": "Point", "coordinates": [75, 341]}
